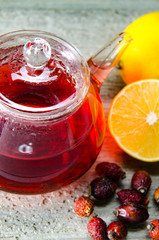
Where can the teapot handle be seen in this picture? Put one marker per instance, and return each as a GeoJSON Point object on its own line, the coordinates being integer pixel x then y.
{"type": "Point", "coordinates": [103, 62]}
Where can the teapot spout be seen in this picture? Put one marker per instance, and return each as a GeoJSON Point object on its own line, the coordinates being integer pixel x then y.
{"type": "Point", "coordinates": [103, 62]}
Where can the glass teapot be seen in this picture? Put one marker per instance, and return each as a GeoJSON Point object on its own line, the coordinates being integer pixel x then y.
{"type": "Point", "coordinates": [52, 121]}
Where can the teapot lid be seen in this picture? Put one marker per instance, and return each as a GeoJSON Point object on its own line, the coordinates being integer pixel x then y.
{"type": "Point", "coordinates": [40, 72]}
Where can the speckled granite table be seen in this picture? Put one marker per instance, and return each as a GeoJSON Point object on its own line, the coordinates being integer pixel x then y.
{"type": "Point", "coordinates": [88, 25]}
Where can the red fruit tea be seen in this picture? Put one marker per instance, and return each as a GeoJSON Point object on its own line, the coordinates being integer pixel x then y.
{"type": "Point", "coordinates": [40, 156]}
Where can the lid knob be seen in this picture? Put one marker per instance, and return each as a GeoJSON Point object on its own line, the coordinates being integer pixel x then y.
{"type": "Point", "coordinates": [37, 53]}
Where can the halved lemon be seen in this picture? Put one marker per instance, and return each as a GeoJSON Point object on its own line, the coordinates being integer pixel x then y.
{"type": "Point", "coordinates": [133, 119]}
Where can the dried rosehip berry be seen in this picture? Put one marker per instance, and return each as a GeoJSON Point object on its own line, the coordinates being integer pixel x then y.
{"type": "Point", "coordinates": [141, 181]}
{"type": "Point", "coordinates": [97, 228]}
{"type": "Point", "coordinates": [131, 196]}
{"type": "Point", "coordinates": [156, 195]}
{"type": "Point", "coordinates": [132, 213]}
{"type": "Point", "coordinates": [116, 231]}
{"type": "Point", "coordinates": [102, 188]}
{"type": "Point", "coordinates": [84, 206]}
{"type": "Point", "coordinates": [110, 170]}
{"type": "Point", "coordinates": [153, 229]}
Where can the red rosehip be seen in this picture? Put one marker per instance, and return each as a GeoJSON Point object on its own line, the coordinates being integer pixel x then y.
{"type": "Point", "coordinates": [156, 195]}
{"type": "Point", "coordinates": [97, 228]}
{"type": "Point", "coordinates": [141, 181]}
{"type": "Point", "coordinates": [83, 206]}
{"type": "Point", "coordinates": [110, 170]}
{"type": "Point", "coordinates": [132, 213]}
{"type": "Point", "coordinates": [102, 188]}
{"type": "Point", "coordinates": [131, 196]}
{"type": "Point", "coordinates": [153, 229]}
{"type": "Point", "coordinates": [116, 231]}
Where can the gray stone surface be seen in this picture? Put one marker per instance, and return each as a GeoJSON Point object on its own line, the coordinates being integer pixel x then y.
{"type": "Point", "coordinates": [88, 25]}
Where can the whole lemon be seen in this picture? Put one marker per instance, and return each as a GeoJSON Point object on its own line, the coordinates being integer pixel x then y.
{"type": "Point", "coordinates": [141, 58]}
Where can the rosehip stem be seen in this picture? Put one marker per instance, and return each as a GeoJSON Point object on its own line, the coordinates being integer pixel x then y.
{"type": "Point", "coordinates": [142, 190]}
{"type": "Point", "coordinates": [150, 227]}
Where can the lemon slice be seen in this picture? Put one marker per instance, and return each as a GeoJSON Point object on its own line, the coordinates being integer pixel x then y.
{"type": "Point", "coordinates": [133, 119]}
